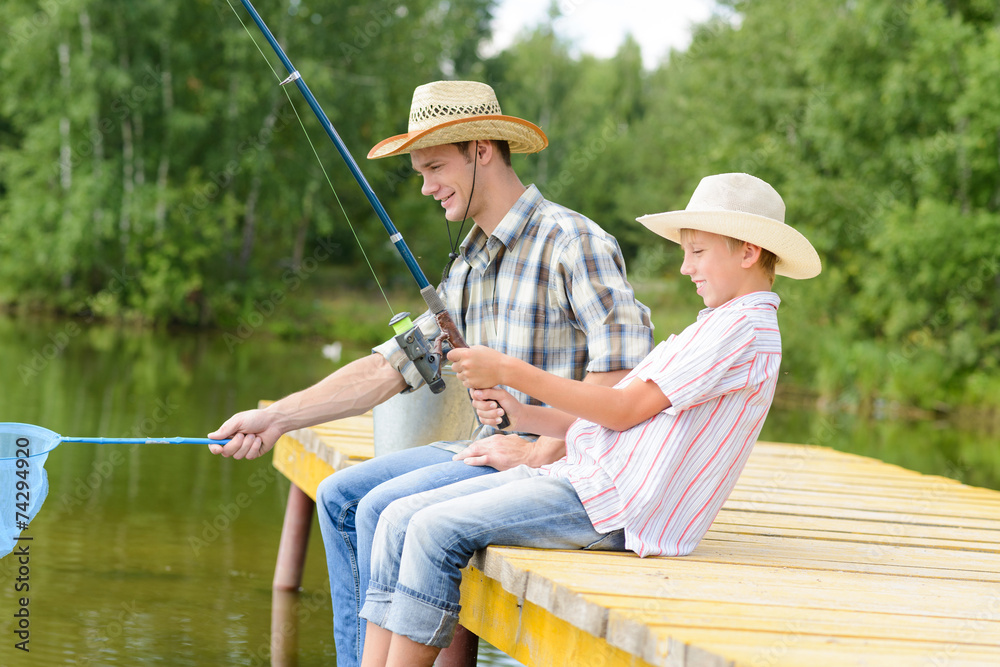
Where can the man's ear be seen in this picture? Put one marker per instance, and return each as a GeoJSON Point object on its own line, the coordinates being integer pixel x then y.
{"type": "Point", "coordinates": [485, 150]}
{"type": "Point", "coordinates": [751, 253]}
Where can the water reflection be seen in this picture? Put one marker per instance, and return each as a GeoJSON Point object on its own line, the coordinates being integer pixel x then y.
{"type": "Point", "coordinates": [160, 554]}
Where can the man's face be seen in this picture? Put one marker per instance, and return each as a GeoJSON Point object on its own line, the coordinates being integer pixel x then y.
{"type": "Point", "coordinates": [447, 175]}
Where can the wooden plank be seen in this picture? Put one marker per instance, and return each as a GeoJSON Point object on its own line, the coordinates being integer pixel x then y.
{"type": "Point", "coordinates": [790, 647]}
{"type": "Point", "coordinates": [884, 483]}
{"type": "Point", "coordinates": [803, 553]}
{"type": "Point", "coordinates": [837, 506]}
{"type": "Point", "coordinates": [902, 528]}
{"type": "Point", "coordinates": [913, 497]}
{"type": "Point", "coordinates": [809, 589]}
{"type": "Point", "coordinates": [861, 538]}
{"type": "Point", "coordinates": [713, 614]}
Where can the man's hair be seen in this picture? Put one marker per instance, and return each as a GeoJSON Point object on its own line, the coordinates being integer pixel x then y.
{"type": "Point", "coordinates": [502, 146]}
{"type": "Point", "coordinates": [767, 260]}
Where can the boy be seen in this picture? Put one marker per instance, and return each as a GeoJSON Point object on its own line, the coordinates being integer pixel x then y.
{"type": "Point", "coordinates": [648, 462]}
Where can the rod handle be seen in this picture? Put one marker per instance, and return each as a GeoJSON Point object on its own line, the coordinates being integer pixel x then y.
{"type": "Point", "coordinates": [450, 331]}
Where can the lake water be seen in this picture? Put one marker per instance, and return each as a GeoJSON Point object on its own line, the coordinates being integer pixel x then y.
{"type": "Point", "coordinates": [142, 554]}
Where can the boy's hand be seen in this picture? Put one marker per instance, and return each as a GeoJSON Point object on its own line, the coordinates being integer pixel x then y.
{"type": "Point", "coordinates": [492, 404]}
{"type": "Point", "coordinates": [477, 366]}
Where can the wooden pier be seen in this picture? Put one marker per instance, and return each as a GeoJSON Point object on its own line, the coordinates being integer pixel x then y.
{"type": "Point", "coordinates": [818, 558]}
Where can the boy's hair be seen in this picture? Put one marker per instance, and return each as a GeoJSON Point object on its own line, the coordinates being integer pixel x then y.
{"type": "Point", "coordinates": [502, 146]}
{"type": "Point", "coordinates": [767, 260]}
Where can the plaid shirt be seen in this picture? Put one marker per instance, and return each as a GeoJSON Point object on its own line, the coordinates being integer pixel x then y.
{"type": "Point", "coordinates": [548, 286]}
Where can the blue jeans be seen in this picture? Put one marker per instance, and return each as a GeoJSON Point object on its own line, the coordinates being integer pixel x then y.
{"type": "Point", "coordinates": [349, 503]}
{"type": "Point", "coordinates": [423, 541]}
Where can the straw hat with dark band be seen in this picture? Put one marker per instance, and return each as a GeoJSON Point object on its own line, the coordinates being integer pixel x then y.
{"type": "Point", "coordinates": [746, 208]}
{"type": "Point", "coordinates": [446, 112]}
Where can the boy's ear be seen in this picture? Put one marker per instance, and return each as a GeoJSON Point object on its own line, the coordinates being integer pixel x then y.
{"type": "Point", "coordinates": [751, 253]}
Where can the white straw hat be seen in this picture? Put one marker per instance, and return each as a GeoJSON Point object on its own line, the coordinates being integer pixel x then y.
{"type": "Point", "coordinates": [445, 112]}
{"type": "Point", "coordinates": [746, 208]}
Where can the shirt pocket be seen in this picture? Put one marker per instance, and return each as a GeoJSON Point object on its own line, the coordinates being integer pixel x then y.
{"type": "Point", "coordinates": [522, 329]}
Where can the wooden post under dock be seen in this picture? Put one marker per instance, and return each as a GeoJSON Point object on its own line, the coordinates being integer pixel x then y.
{"type": "Point", "coordinates": [818, 558]}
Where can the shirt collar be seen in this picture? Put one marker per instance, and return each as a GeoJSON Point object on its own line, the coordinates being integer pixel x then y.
{"type": "Point", "coordinates": [752, 300]}
{"type": "Point", "coordinates": [507, 232]}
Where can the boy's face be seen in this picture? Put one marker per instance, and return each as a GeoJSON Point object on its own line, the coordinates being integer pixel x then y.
{"type": "Point", "coordinates": [447, 177]}
{"type": "Point", "coordinates": [719, 273]}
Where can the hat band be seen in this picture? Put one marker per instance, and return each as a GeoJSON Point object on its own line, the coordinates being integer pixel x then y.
{"type": "Point", "coordinates": [422, 114]}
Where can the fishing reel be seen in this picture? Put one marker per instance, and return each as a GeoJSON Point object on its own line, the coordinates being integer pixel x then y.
{"type": "Point", "coordinates": [413, 342]}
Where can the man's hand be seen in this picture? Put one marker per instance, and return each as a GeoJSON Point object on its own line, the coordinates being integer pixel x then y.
{"type": "Point", "coordinates": [253, 434]}
{"type": "Point", "coordinates": [499, 451]}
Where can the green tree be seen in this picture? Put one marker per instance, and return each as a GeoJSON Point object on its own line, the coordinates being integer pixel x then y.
{"type": "Point", "coordinates": [160, 173]}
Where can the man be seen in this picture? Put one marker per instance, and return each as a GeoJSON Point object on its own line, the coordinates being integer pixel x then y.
{"type": "Point", "coordinates": [533, 280]}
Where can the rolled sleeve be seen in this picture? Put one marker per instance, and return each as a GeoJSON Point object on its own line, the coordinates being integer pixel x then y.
{"type": "Point", "coordinates": [617, 325]}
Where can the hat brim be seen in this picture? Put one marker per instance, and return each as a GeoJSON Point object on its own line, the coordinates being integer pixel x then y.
{"type": "Point", "coordinates": [796, 256]}
{"type": "Point", "coordinates": [521, 135]}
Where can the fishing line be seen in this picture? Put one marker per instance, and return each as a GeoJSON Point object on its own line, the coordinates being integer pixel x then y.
{"type": "Point", "coordinates": [329, 182]}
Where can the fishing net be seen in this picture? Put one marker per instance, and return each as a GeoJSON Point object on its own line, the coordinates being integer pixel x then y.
{"type": "Point", "coordinates": [23, 480]}
{"type": "Point", "coordinates": [24, 484]}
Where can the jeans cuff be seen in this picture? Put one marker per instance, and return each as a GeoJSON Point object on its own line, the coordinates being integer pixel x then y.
{"type": "Point", "coordinates": [420, 620]}
{"type": "Point", "coordinates": [378, 602]}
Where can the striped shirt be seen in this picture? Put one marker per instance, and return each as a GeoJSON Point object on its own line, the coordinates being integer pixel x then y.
{"type": "Point", "coordinates": [664, 480]}
{"type": "Point", "coordinates": [548, 286]}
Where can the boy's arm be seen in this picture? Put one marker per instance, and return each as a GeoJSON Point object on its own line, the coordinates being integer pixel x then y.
{"type": "Point", "coordinates": [504, 452]}
{"type": "Point", "coordinates": [492, 404]}
{"type": "Point", "coordinates": [614, 408]}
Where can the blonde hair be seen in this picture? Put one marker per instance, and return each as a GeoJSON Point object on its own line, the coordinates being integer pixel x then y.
{"type": "Point", "coordinates": [767, 260]}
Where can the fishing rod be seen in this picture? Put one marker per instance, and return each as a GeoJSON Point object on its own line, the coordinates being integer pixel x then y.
{"type": "Point", "coordinates": [426, 289]}
{"type": "Point", "coordinates": [410, 338]}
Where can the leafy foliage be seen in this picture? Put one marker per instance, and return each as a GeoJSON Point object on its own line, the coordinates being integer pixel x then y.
{"type": "Point", "coordinates": [160, 172]}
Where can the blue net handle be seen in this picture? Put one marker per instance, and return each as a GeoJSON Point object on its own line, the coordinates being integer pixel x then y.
{"type": "Point", "coordinates": [15, 438]}
{"type": "Point", "coordinates": [148, 441]}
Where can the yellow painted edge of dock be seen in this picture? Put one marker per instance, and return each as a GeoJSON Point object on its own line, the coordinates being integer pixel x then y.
{"type": "Point", "coordinates": [490, 612]}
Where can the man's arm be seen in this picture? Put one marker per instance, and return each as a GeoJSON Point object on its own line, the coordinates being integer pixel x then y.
{"type": "Point", "coordinates": [351, 390]}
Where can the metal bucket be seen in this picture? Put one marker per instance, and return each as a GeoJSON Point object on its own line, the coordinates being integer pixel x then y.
{"type": "Point", "coordinates": [422, 417]}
